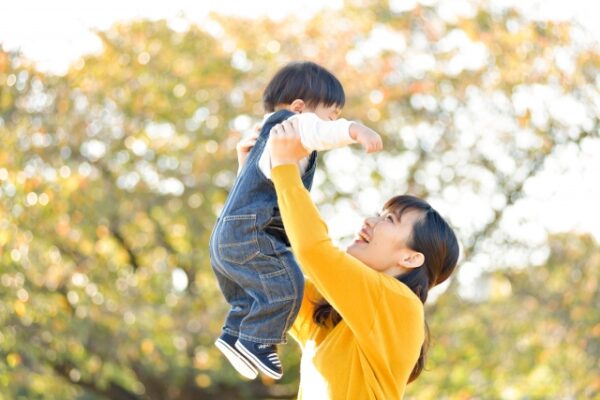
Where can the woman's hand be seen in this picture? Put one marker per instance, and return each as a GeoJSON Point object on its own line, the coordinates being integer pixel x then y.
{"type": "Point", "coordinates": [284, 144]}
{"type": "Point", "coordinates": [244, 146]}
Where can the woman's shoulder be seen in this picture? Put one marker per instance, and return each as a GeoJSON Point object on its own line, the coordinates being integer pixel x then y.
{"type": "Point", "coordinates": [399, 322]}
{"type": "Point", "coordinates": [397, 292]}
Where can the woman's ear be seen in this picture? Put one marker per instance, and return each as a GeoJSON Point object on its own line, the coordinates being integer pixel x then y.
{"type": "Point", "coordinates": [297, 106]}
{"type": "Point", "coordinates": [411, 259]}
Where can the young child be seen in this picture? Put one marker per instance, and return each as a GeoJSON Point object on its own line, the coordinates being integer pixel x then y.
{"type": "Point", "coordinates": [249, 249]}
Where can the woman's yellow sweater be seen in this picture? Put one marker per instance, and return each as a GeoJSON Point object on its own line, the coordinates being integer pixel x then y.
{"type": "Point", "coordinates": [371, 353]}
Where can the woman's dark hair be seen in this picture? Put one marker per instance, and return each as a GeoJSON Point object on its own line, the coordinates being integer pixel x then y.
{"type": "Point", "coordinates": [431, 236]}
{"type": "Point", "coordinates": [306, 81]}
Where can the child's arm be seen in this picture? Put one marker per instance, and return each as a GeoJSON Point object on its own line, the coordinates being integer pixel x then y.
{"type": "Point", "coordinates": [317, 134]}
{"type": "Point", "coordinates": [367, 137]}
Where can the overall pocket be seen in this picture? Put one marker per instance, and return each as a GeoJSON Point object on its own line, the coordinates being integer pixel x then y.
{"type": "Point", "coordinates": [277, 283]}
{"type": "Point", "coordinates": [238, 241]}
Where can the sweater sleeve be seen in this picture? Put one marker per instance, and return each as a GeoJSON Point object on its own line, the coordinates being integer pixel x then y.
{"type": "Point", "coordinates": [351, 287]}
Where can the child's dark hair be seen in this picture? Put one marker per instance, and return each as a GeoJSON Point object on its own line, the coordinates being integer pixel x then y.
{"type": "Point", "coordinates": [431, 236]}
{"type": "Point", "coordinates": [306, 81]}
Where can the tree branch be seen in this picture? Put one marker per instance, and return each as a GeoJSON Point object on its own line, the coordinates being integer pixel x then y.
{"type": "Point", "coordinates": [118, 235]}
{"type": "Point", "coordinates": [163, 241]}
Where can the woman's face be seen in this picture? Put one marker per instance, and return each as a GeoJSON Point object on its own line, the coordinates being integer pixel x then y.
{"type": "Point", "coordinates": [382, 243]}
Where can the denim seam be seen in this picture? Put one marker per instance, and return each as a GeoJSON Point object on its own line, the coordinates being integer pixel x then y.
{"type": "Point", "coordinates": [255, 339]}
{"type": "Point", "coordinates": [293, 311]}
{"type": "Point", "coordinates": [279, 299]}
{"type": "Point", "coordinates": [253, 241]}
{"type": "Point", "coordinates": [239, 217]}
{"type": "Point", "coordinates": [231, 331]}
{"type": "Point", "coordinates": [236, 262]}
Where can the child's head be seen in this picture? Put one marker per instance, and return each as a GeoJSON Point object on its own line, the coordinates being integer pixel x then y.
{"type": "Point", "coordinates": [305, 86]}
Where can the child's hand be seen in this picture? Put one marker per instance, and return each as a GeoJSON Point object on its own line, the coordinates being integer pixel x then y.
{"type": "Point", "coordinates": [244, 146]}
{"type": "Point", "coordinates": [367, 137]}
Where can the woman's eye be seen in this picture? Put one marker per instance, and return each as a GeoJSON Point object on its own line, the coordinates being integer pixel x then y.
{"type": "Point", "coordinates": [389, 218]}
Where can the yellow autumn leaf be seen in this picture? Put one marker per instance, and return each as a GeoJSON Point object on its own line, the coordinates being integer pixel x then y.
{"type": "Point", "coordinates": [13, 359]}
{"type": "Point", "coordinates": [20, 308]}
{"type": "Point", "coordinates": [147, 346]}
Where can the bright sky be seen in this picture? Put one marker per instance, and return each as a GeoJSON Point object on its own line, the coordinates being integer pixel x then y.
{"type": "Point", "coordinates": [56, 33]}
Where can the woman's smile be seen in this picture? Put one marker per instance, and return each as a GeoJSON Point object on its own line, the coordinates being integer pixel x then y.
{"type": "Point", "coordinates": [363, 236]}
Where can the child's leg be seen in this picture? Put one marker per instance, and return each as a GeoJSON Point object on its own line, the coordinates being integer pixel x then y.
{"type": "Point", "coordinates": [240, 305]}
{"type": "Point", "coordinates": [277, 298]}
{"type": "Point", "coordinates": [237, 297]}
{"type": "Point", "coordinates": [277, 287]}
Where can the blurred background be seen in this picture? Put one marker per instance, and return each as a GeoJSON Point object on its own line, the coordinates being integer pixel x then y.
{"type": "Point", "coordinates": [118, 125]}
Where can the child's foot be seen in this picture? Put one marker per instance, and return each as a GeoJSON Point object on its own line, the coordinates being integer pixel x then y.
{"type": "Point", "coordinates": [263, 356]}
{"type": "Point", "coordinates": [226, 343]}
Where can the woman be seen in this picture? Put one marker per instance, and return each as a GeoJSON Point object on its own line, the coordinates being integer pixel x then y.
{"type": "Point", "coordinates": [361, 325]}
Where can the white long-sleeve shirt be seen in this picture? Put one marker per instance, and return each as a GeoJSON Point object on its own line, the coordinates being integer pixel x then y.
{"type": "Point", "coordinates": [315, 135]}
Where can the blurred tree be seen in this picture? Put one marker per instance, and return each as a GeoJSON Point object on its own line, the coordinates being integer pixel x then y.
{"type": "Point", "coordinates": [112, 176]}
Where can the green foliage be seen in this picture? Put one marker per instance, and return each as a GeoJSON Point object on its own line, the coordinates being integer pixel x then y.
{"type": "Point", "coordinates": [112, 176]}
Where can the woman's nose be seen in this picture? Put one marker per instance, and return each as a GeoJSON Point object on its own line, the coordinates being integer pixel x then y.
{"type": "Point", "coordinates": [371, 221]}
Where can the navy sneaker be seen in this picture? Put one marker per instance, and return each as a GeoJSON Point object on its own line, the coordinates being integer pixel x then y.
{"type": "Point", "coordinates": [226, 343]}
{"type": "Point", "coordinates": [263, 356]}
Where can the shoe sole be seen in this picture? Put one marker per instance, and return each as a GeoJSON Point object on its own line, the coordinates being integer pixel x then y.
{"type": "Point", "coordinates": [256, 362]}
{"type": "Point", "coordinates": [237, 360]}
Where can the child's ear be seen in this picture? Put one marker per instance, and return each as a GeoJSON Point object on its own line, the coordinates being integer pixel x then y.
{"type": "Point", "coordinates": [297, 106]}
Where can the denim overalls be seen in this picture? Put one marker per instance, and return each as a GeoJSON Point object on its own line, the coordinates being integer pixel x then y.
{"type": "Point", "coordinates": [250, 252]}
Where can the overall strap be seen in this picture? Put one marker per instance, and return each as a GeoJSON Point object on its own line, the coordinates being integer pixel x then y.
{"type": "Point", "coordinates": [276, 118]}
